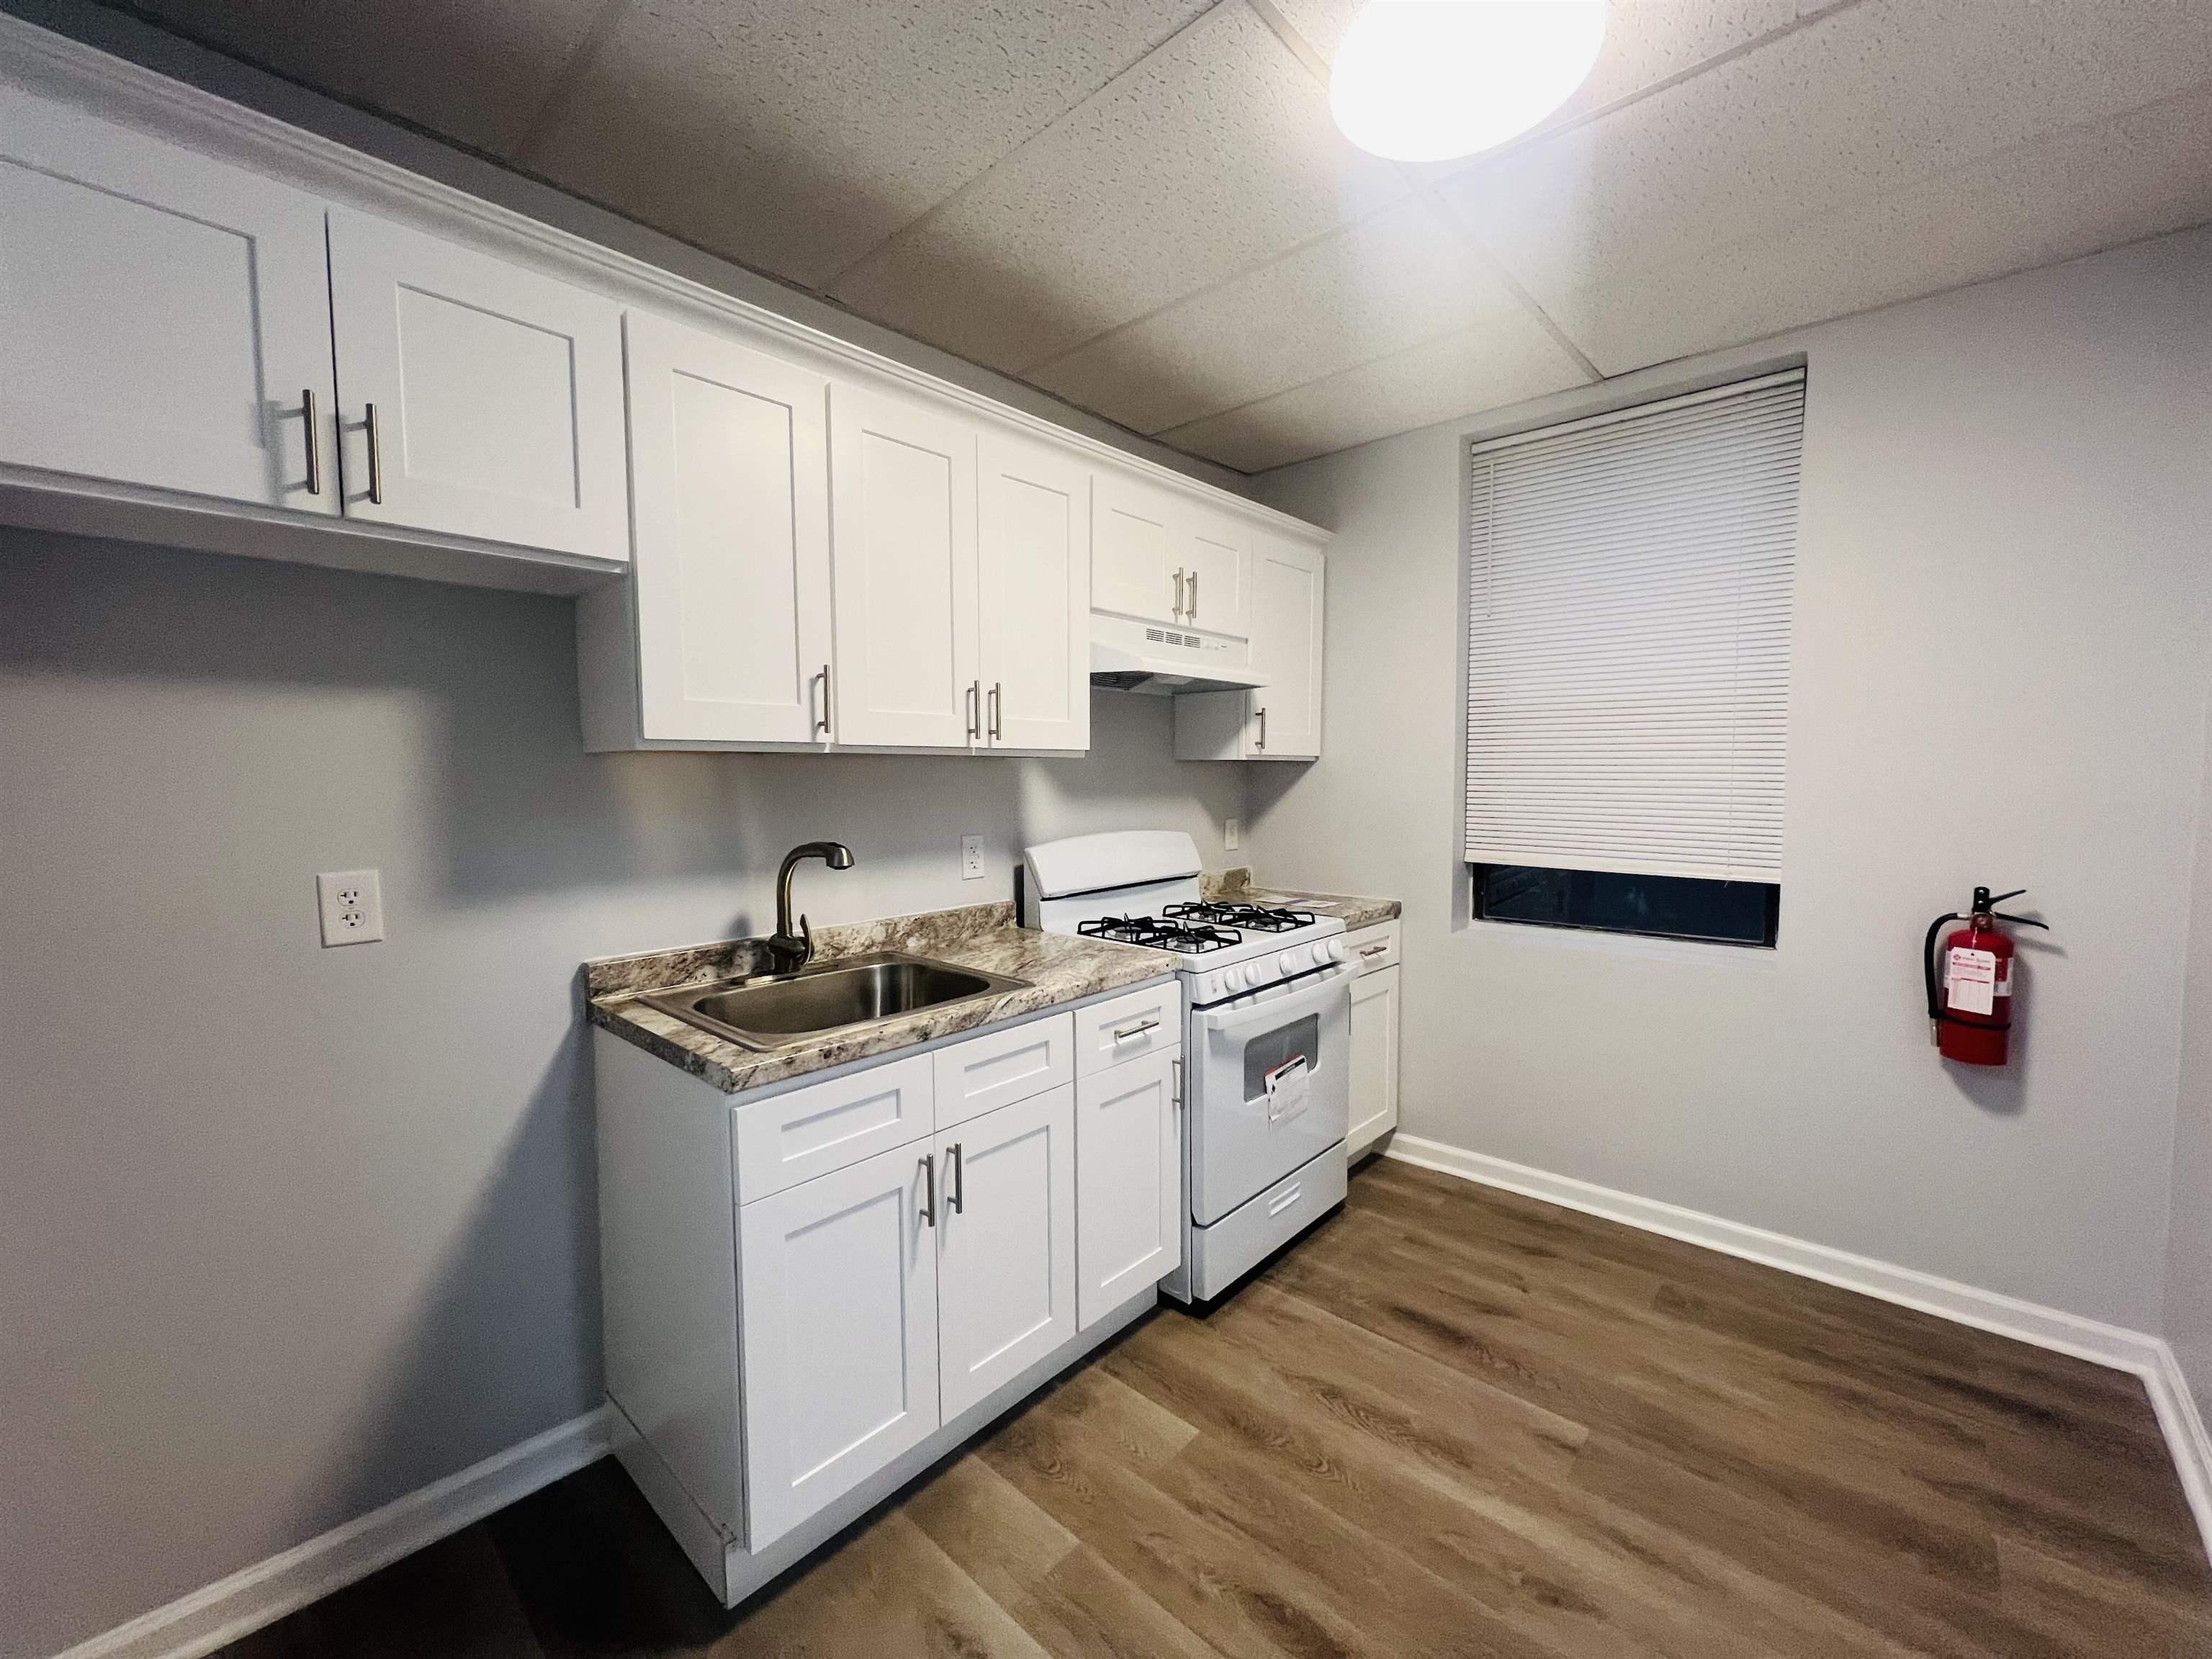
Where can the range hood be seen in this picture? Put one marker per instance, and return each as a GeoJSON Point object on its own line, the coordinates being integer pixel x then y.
{"type": "Point", "coordinates": [1162, 661]}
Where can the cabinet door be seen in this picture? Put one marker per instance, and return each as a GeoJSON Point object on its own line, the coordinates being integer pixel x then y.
{"type": "Point", "coordinates": [1006, 1245]}
{"type": "Point", "coordinates": [1212, 553]}
{"type": "Point", "coordinates": [837, 1282]}
{"type": "Point", "coordinates": [729, 502]}
{"type": "Point", "coordinates": [902, 553]}
{"type": "Point", "coordinates": [1131, 571]}
{"type": "Point", "coordinates": [1374, 1051]}
{"type": "Point", "coordinates": [1128, 1182]}
{"type": "Point", "coordinates": [481, 399]}
{"type": "Point", "coordinates": [1033, 561]}
{"type": "Point", "coordinates": [163, 318]}
{"type": "Point", "coordinates": [1286, 630]}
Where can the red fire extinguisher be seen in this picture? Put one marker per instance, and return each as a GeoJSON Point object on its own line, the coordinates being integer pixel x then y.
{"type": "Point", "coordinates": [1970, 1011]}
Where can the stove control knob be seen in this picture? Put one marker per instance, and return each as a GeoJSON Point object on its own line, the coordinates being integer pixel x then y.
{"type": "Point", "coordinates": [1231, 978]}
{"type": "Point", "coordinates": [1335, 949]}
{"type": "Point", "coordinates": [1288, 962]}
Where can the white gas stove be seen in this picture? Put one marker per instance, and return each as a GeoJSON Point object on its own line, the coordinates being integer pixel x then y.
{"type": "Point", "coordinates": [1268, 1022]}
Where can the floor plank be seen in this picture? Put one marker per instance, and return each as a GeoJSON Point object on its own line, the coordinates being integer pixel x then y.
{"type": "Point", "coordinates": [1452, 1421]}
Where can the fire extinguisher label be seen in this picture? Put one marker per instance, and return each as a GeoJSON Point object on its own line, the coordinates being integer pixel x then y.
{"type": "Point", "coordinates": [1970, 979]}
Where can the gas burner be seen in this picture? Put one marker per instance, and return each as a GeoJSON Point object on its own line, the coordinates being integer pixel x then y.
{"type": "Point", "coordinates": [1159, 935]}
{"type": "Point", "coordinates": [1256, 918]}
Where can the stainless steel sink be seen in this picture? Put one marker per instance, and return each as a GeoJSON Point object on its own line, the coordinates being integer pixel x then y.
{"type": "Point", "coordinates": [780, 1010]}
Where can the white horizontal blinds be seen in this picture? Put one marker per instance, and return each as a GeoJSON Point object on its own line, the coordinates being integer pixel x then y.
{"type": "Point", "coordinates": [1628, 637]}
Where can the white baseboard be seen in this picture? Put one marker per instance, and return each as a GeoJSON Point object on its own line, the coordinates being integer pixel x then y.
{"type": "Point", "coordinates": [2148, 1357]}
{"type": "Point", "coordinates": [231, 1607]}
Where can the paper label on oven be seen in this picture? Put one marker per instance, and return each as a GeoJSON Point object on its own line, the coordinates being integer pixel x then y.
{"type": "Point", "coordinates": [1287, 1088]}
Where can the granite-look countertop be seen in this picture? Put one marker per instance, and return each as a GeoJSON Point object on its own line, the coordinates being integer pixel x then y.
{"type": "Point", "coordinates": [1059, 967]}
{"type": "Point", "coordinates": [1235, 886]}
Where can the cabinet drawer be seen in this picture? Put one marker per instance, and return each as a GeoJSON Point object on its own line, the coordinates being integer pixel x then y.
{"type": "Point", "coordinates": [809, 1131]}
{"type": "Point", "coordinates": [995, 1070]}
{"type": "Point", "coordinates": [1146, 1022]}
{"type": "Point", "coordinates": [1373, 948]}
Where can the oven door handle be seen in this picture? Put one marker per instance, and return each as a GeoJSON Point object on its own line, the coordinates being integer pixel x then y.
{"type": "Point", "coordinates": [1308, 998]}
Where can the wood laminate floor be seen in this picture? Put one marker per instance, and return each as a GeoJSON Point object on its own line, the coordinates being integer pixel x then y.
{"type": "Point", "coordinates": [1450, 1421]}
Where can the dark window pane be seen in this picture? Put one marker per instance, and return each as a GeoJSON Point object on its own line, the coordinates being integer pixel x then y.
{"type": "Point", "coordinates": [1665, 907]}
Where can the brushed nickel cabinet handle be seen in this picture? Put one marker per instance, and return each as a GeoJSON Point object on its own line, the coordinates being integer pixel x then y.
{"type": "Point", "coordinates": [827, 708]}
{"type": "Point", "coordinates": [1374, 950]}
{"type": "Point", "coordinates": [1178, 599]}
{"type": "Point", "coordinates": [929, 1188]}
{"type": "Point", "coordinates": [997, 688]}
{"type": "Point", "coordinates": [1175, 1098]}
{"type": "Point", "coordinates": [974, 710]}
{"type": "Point", "coordinates": [314, 441]}
{"type": "Point", "coordinates": [1262, 741]}
{"type": "Point", "coordinates": [1123, 1033]}
{"type": "Point", "coordinates": [1190, 610]}
{"type": "Point", "coordinates": [822, 724]}
{"type": "Point", "coordinates": [956, 1199]}
{"type": "Point", "coordinates": [375, 460]}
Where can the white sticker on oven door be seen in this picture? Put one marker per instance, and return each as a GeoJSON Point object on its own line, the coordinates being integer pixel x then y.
{"type": "Point", "coordinates": [1970, 980]}
{"type": "Point", "coordinates": [1286, 1089]}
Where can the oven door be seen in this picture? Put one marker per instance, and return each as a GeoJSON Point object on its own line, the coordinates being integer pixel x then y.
{"type": "Point", "coordinates": [1243, 1134]}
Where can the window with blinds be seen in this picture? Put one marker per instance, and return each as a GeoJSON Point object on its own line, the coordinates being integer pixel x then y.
{"type": "Point", "coordinates": [1629, 586]}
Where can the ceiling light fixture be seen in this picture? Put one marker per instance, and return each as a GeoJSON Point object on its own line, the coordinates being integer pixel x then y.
{"type": "Point", "coordinates": [1427, 80]}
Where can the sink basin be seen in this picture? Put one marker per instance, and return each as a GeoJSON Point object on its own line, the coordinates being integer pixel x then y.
{"type": "Point", "coordinates": [781, 1010]}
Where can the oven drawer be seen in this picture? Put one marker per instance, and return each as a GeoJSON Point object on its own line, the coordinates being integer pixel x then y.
{"type": "Point", "coordinates": [1146, 1022]}
{"type": "Point", "coordinates": [1225, 1252]}
{"type": "Point", "coordinates": [1373, 948]}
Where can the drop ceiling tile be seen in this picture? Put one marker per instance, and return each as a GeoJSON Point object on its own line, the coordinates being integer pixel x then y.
{"type": "Point", "coordinates": [476, 70]}
{"type": "Point", "coordinates": [1403, 275]}
{"type": "Point", "coordinates": [1502, 361]}
{"type": "Point", "coordinates": [1860, 105]}
{"type": "Point", "coordinates": [1213, 154]}
{"type": "Point", "coordinates": [793, 137]}
{"type": "Point", "coordinates": [2091, 186]}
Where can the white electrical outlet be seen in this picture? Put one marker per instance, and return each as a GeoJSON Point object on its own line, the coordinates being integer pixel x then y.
{"type": "Point", "coordinates": [1232, 833]}
{"type": "Point", "coordinates": [971, 858]}
{"type": "Point", "coordinates": [352, 906]}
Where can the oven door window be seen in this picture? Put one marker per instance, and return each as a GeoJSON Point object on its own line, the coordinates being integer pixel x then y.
{"type": "Point", "coordinates": [1271, 1049]}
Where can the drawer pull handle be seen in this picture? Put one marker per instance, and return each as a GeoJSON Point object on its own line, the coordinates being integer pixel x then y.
{"type": "Point", "coordinates": [1373, 950]}
{"type": "Point", "coordinates": [1123, 1033]}
{"type": "Point", "coordinates": [1283, 1202]}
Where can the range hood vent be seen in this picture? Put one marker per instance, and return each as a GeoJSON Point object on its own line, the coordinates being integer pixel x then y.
{"type": "Point", "coordinates": [1160, 661]}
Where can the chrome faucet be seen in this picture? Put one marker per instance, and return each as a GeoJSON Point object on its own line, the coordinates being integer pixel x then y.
{"type": "Point", "coordinates": [789, 952]}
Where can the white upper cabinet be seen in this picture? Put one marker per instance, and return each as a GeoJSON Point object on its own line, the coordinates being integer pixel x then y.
{"type": "Point", "coordinates": [902, 551]}
{"type": "Point", "coordinates": [1211, 553]}
{"type": "Point", "coordinates": [481, 399]}
{"type": "Point", "coordinates": [1286, 622]}
{"type": "Point", "coordinates": [729, 502]}
{"type": "Point", "coordinates": [164, 319]}
{"type": "Point", "coordinates": [1034, 584]}
{"type": "Point", "coordinates": [1006, 1245]}
{"type": "Point", "coordinates": [1131, 571]}
{"type": "Point", "coordinates": [1281, 720]}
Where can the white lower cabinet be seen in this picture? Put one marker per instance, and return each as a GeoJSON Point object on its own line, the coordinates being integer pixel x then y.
{"type": "Point", "coordinates": [912, 1239]}
{"type": "Point", "coordinates": [1129, 1198]}
{"type": "Point", "coordinates": [1376, 1013]}
{"type": "Point", "coordinates": [1006, 1245]}
{"type": "Point", "coordinates": [837, 1289]}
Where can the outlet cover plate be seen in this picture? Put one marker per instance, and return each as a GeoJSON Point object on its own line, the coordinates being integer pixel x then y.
{"type": "Point", "coordinates": [352, 905]}
{"type": "Point", "coordinates": [971, 858]}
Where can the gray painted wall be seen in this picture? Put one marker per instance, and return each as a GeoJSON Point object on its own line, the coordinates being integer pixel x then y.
{"type": "Point", "coordinates": [291, 1231]}
{"type": "Point", "coordinates": [2188, 1246]}
{"type": "Point", "coordinates": [2002, 576]}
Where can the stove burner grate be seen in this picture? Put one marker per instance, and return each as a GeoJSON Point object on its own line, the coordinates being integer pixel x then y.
{"type": "Point", "coordinates": [1160, 934]}
{"type": "Point", "coordinates": [1258, 919]}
